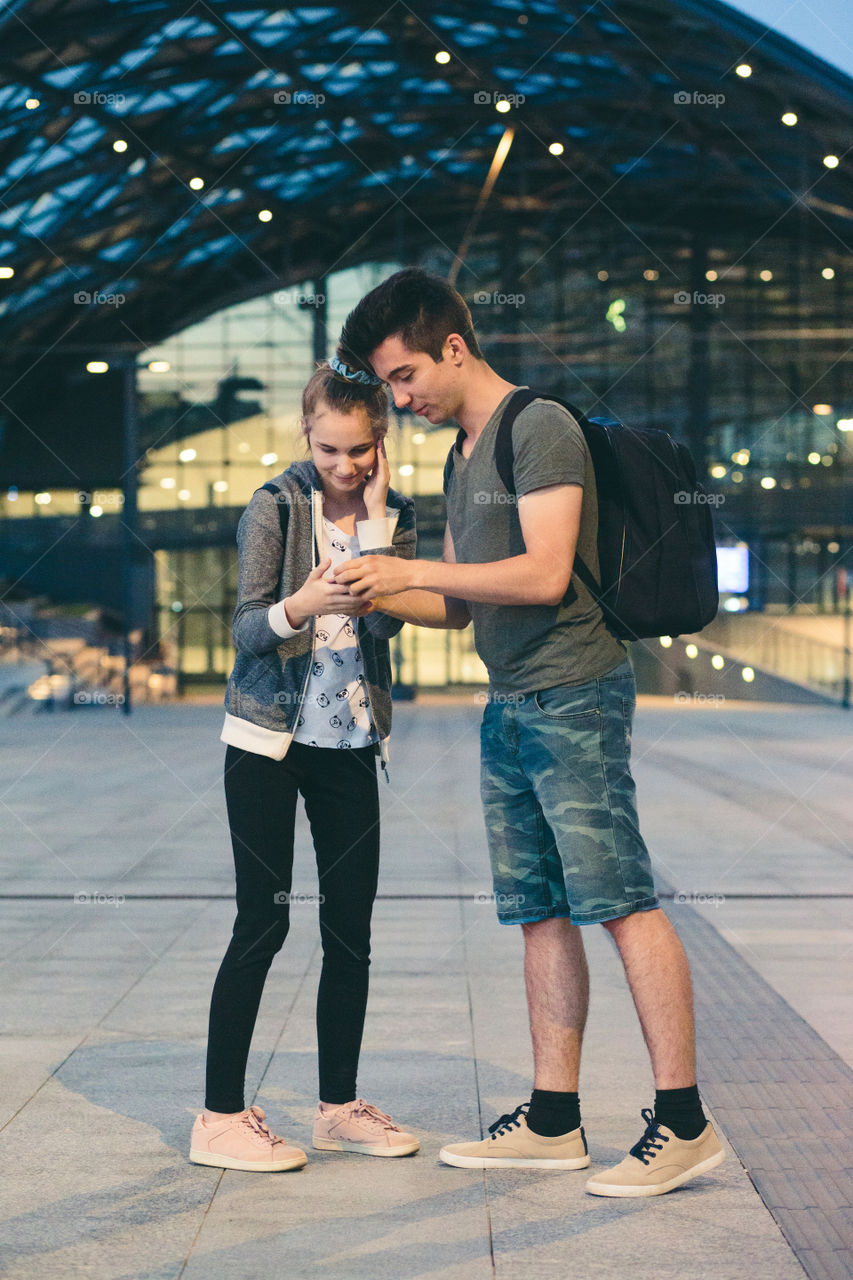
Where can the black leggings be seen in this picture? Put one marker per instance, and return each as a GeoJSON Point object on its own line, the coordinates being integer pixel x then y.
{"type": "Point", "coordinates": [342, 804]}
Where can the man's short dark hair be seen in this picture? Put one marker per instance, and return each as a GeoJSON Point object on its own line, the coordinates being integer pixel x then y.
{"type": "Point", "coordinates": [421, 308]}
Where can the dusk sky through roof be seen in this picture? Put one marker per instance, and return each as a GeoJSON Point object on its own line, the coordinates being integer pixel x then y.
{"type": "Point", "coordinates": [824, 27]}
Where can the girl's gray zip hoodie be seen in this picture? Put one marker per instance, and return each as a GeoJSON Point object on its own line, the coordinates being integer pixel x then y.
{"type": "Point", "coordinates": [267, 685]}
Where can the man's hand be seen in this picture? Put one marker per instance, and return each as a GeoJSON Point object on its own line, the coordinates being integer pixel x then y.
{"type": "Point", "coordinates": [371, 576]}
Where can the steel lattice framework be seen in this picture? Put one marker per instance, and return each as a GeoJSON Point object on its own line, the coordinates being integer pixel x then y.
{"type": "Point", "coordinates": [340, 123]}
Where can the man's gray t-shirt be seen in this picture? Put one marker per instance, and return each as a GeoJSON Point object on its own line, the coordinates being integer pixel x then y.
{"type": "Point", "coordinates": [529, 647]}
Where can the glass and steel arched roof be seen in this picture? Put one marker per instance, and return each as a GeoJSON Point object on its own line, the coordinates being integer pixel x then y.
{"type": "Point", "coordinates": [159, 161]}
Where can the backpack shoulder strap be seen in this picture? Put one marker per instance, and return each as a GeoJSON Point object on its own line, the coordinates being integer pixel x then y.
{"type": "Point", "coordinates": [283, 510]}
{"type": "Point", "coordinates": [448, 465]}
{"type": "Point", "coordinates": [505, 458]}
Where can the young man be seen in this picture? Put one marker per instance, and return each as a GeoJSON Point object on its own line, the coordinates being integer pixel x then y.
{"type": "Point", "coordinates": [557, 791]}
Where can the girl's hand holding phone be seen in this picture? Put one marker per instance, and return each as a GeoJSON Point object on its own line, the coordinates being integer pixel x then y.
{"type": "Point", "coordinates": [376, 488]}
{"type": "Point", "coordinates": [317, 596]}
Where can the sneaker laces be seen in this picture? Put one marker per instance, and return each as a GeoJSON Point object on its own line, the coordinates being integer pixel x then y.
{"type": "Point", "coordinates": [508, 1122]}
{"type": "Point", "coordinates": [652, 1140]}
{"type": "Point", "coordinates": [366, 1110]}
{"type": "Point", "coordinates": [259, 1131]}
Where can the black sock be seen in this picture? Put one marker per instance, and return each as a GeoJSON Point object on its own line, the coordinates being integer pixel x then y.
{"type": "Point", "coordinates": [552, 1113]}
{"type": "Point", "coordinates": [681, 1111]}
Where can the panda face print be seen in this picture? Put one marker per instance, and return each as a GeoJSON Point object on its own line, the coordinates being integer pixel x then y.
{"type": "Point", "coordinates": [335, 722]}
{"type": "Point", "coordinates": [342, 695]}
{"type": "Point", "coordinates": [322, 635]}
{"type": "Point", "coordinates": [300, 722]}
{"type": "Point", "coordinates": [338, 545]}
{"type": "Point", "coordinates": [348, 630]}
{"type": "Point", "coordinates": [351, 725]}
{"type": "Point", "coordinates": [362, 702]}
{"type": "Point", "coordinates": [337, 659]}
{"type": "Point", "coordinates": [322, 700]}
{"type": "Point", "coordinates": [317, 668]}
{"type": "Point", "coordinates": [343, 744]}
{"type": "Point", "coordinates": [358, 655]}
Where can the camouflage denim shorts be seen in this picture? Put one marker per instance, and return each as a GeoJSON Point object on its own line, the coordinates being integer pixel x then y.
{"type": "Point", "coordinates": [558, 799]}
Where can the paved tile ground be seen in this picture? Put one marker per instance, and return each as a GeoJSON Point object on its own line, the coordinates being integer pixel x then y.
{"type": "Point", "coordinates": [103, 1006]}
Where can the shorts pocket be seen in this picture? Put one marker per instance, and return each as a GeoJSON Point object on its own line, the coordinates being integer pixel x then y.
{"type": "Point", "coordinates": [577, 703]}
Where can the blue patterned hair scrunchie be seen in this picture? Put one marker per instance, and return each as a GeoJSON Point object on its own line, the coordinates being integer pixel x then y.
{"type": "Point", "coordinates": [354, 375]}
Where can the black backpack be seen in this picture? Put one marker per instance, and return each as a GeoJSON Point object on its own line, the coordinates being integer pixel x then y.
{"type": "Point", "coordinates": [656, 546]}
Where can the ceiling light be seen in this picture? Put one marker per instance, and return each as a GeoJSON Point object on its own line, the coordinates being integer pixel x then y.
{"type": "Point", "coordinates": [744, 70]}
{"type": "Point", "coordinates": [789, 118]}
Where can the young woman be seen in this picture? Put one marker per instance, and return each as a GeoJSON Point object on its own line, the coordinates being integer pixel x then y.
{"type": "Point", "coordinates": [308, 708]}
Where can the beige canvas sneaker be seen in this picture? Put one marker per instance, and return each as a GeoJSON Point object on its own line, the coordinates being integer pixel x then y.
{"type": "Point", "coordinates": [659, 1162]}
{"type": "Point", "coordinates": [511, 1145]}
{"type": "Point", "coordinates": [244, 1141]}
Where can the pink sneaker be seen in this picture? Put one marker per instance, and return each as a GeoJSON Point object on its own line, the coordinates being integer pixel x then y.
{"type": "Point", "coordinates": [244, 1141]}
{"type": "Point", "coordinates": [359, 1126]}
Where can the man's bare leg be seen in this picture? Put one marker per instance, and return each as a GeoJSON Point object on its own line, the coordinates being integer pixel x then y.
{"type": "Point", "coordinates": [557, 982]}
{"type": "Point", "coordinates": [659, 978]}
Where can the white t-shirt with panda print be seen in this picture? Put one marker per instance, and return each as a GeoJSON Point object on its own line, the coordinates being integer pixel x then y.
{"type": "Point", "coordinates": [335, 711]}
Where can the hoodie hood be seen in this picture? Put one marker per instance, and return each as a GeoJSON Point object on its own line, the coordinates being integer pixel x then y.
{"type": "Point", "coordinates": [305, 474]}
